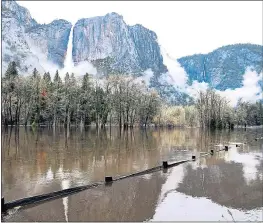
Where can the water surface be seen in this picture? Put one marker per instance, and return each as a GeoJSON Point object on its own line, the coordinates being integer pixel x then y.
{"type": "Point", "coordinates": [223, 187]}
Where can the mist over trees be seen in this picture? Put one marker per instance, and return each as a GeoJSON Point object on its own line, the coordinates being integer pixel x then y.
{"type": "Point", "coordinates": [115, 100]}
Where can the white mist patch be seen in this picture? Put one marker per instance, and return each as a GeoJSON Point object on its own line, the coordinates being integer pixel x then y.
{"type": "Point", "coordinates": [45, 64]}
{"type": "Point", "coordinates": [176, 75]}
{"type": "Point", "coordinates": [146, 77]}
{"type": "Point", "coordinates": [84, 67]}
{"type": "Point", "coordinates": [196, 87]}
{"type": "Point", "coordinates": [81, 69]}
{"type": "Point", "coordinates": [250, 91]}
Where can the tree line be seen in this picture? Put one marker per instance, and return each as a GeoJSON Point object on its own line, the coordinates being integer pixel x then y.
{"type": "Point", "coordinates": [115, 100]}
{"type": "Point", "coordinates": [211, 111]}
{"type": "Point", "coordinates": [41, 100]}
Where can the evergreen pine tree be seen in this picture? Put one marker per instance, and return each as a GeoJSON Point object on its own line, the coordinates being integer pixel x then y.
{"type": "Point", "coordinates": [47, 77]}
{"type": "Point", "coordinates": [11, 71]}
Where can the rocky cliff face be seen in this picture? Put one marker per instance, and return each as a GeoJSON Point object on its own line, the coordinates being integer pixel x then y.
{"type": "Point", "coordinates": [14, 46]}
{"type": "Point", "coordinates": [31, 44]}
{"type": "Point", "coordinates": [148, 50]}
{"type": "Point", "coordinates": [51, 40]}
{"type": "Point", "coordinates": [122, 48]}
{"type": "Point", "coordinates": [224, 67]}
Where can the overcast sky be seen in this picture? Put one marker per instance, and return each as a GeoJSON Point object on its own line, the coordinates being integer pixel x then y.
{"type": "Point", "coordinates": [183, 28]}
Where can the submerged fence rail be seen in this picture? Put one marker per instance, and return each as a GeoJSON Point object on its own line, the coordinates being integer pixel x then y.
{"type": "Point", "coordinates": [108, 180]}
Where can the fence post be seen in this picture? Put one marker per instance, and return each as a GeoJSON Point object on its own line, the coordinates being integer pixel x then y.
{"type": "Point", "coordinates": [165, 164]}
{"type": "Point", "coordinates": [3, 209]}
{"type": "Point", "coordinates": [108, 179]}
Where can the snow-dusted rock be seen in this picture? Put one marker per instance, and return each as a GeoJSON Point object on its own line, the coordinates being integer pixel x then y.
{"type": "Point", "coordinates": [224, 67]}
{"type": "Point", "coordinates": [130, 49]}
{"type": "Point", "coordinates": [30, 44]}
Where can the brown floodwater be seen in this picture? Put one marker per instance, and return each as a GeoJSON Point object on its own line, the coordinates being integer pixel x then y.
{"type": "Point", "coordinates": [226, 186]}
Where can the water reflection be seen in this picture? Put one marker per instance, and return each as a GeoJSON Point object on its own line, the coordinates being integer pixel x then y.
{"type": "Point", "coordinates": [251, 163]}
{"type": "Point", "coordinates": [227, 187]}
{"type": "Point", "coordinates": [127, 200]}
{"type": "Point", "coordinates": [35, 159]}
{"type": "Point", "coordinates": [223, 183]}
{"type": "Point", "coordinates": [44, 161]}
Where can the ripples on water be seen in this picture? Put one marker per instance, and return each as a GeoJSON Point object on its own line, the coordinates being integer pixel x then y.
{"type": "Point", "coordinates": [224, 187]}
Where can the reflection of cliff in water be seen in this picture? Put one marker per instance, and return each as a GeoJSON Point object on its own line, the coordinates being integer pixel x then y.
{"type": "Point", "coordinates": [128, 200]}
{"type": "Point", "coordinates": [225, 184]}
{"type": "Point", "coordinates": [132, 199]}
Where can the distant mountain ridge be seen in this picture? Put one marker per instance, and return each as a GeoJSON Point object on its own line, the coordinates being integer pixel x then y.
{"type": "Point", "coordinates": [224, 67]}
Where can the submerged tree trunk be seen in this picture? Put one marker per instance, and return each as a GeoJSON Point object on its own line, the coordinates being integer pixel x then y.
{"type": "Point", "coordinates": [68, 120]}
{"type": "Point", "coordinates": [54, 120]}
{"type": "Point", "coordinates": [10, 110]}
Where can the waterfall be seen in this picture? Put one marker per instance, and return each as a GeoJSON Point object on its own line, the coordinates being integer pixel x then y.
{"type": "Point", "coordinates": [68, 63]}
{"type": "Point", "coordinates": [81, 67]}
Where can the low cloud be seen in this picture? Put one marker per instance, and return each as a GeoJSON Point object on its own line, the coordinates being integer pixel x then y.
{"type": "Point", "coordinates": [251, 91]}
{"type": "Point", "coordinates": [194, 89]}
{"type": "Point", "coordinates": [43, 64]}
{"type": "Point", "coordinates": [176, 75]}
{"type": "Point", "coordinates": [79, 70]}
{"type": "Point", "coordinates": [146, 77]}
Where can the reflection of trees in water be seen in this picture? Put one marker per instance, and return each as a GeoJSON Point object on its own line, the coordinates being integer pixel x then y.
{"type": "Point", "coordinates": [191, 139]}
{"type": "Point", "coordinates": [129, 200]}
{"type": "Point", "coordinates": [133, 199]}
{"type": "Point", "coordinates": [260, 169]}
{"type": "Point", "coordinates": [6, 139]}
{"type": "Point", "coordinates": [89, 155]}
{"type": "Point", "coordinates": [224, 184]}
{"type": "Point", "coordinates": [84, 157]}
